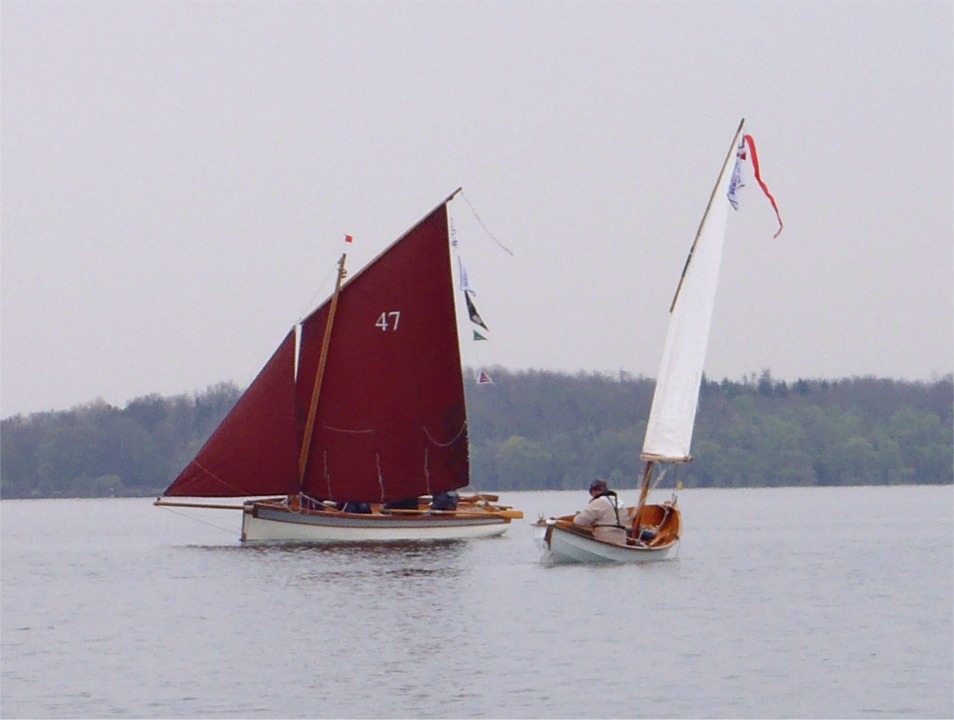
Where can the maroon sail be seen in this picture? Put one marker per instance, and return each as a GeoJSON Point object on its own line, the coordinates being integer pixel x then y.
{"type": "Point", "coordinates": [391, 421]}
{"type": "Point", "coordinates": [255, 449]}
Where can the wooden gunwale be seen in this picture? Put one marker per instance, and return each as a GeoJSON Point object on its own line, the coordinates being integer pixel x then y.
{"type": "Point", "coordinates": [664, 539]}
{"type": "Point", "coordinates": [503, 512]}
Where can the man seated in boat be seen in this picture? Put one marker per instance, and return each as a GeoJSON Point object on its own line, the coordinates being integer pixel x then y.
{"type": "Point", "coordinates": [602, 514]}
{"type": "Point", "coordinates": [361, 508]}
{"type": "Point", "coordinates": [446, 501]}
{"type": "Point", "coordinates": [410, 503]}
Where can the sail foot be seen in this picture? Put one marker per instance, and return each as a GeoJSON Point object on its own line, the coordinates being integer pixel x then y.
{"type": "Point", "coordinates": [650, 457]}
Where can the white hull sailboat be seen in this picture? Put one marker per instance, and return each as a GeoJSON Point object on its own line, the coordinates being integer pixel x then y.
{"type": "Point", "coordinates": [358, 421]}
{"type": "Point", "coordinates": [275, 521]}
{"type": "Point", "coordinates": [653, 530]}
{"type": "Point", "coordinates": [561, 542]}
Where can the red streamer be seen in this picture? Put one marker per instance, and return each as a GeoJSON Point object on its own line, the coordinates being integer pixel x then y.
{"type": "Point", "coordinates": [758, 177]}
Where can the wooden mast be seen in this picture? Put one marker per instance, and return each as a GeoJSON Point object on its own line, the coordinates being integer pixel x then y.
{"type": "Point", "coordinates": [319, 375]}
{"type": "Point", "coordinates": [643, 494]}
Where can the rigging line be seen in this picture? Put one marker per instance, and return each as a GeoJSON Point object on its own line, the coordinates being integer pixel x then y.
{"type": "Point", "coordinates": [237, 490]}
{"type": "Point", "coordinates": [313, 303]}
{"type": "Point", "coordinates": [320, 292]}
{"type": "Point", "coordinates": [377, 462]}
{"type": "Point", "coordinates": [200, 521]}
{"type": "Point", "coordinates": [331, 428]}
{"type": "Point", "coordinates": [480, 495]}
{"type": "Point", "coordinates": [454, 439]}
{"type": "Point", "coordinates": [318, 501]}
{"type": "Point", "coordinates": [486, 229]}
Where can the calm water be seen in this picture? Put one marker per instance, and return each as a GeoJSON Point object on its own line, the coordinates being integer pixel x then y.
{"type": "Point", "coordinates": [788, 603]}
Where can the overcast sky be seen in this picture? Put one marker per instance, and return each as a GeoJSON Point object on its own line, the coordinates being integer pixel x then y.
{"type": "Point", "coordinates": [177, 178]}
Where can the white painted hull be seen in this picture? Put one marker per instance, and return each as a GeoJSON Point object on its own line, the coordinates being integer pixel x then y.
{"type": "Point", "coordinates": [559, 547]}
{"type": "Point", "coordinates": [263, 524]}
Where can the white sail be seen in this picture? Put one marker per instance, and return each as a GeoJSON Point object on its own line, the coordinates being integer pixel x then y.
{"type": "Point", "coordinates": [671, 420]}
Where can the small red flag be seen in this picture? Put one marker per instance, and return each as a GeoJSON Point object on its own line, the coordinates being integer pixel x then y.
{"type": "Point", "coordinates": [348, 238]}
{"type": "Point", "coordinates": [758, 179]}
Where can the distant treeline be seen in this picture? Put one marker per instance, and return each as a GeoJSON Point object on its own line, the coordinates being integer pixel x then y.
{"type": "Point", "coordinates": [534, 430]}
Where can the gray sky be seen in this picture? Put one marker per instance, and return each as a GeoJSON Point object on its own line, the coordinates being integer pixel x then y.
{"type": "Point", "coordinates": [177, 178]}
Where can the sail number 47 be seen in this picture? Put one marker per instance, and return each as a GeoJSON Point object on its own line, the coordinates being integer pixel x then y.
{"type": "Point", "coordinates": [389, 320]}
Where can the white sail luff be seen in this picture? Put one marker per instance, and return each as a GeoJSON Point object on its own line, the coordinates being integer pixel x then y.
{"type": "Point", "coordinates": [671, 420]}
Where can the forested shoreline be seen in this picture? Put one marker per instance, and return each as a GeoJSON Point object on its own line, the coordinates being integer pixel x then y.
{"type": "Point", "coordinates": [537, 430]}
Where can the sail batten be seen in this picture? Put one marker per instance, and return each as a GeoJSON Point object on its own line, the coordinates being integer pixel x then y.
{"type": "Point", "coordinates": [672, 417]}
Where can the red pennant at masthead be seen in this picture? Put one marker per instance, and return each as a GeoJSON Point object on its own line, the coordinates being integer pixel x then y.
{"type": "Point", "coordinates": [736, 183]}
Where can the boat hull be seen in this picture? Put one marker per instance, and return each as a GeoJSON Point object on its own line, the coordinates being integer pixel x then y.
{"type": "Point", "coordinates": [560, 542]}
{"type": "Point", "coordinates": [564, 547]}
{"type": "Point", "coordinates": [270, 523]}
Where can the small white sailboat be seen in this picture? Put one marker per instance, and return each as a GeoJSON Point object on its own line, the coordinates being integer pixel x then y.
{"type": "Point", "coordinates": [358, 421]}
{"type": "Point", "coordinates": [653, 530]}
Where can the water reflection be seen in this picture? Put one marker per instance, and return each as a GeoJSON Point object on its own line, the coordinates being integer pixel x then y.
{"type": "Point", "coordinates": [365, 564]}
{"type": "Point", "coordinates": [404, 548]}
